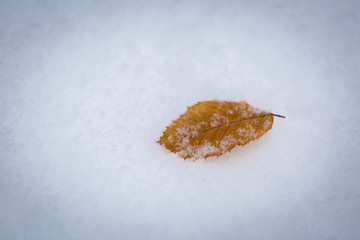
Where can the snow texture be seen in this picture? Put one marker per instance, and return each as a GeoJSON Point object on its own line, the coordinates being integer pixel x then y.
{"type": "Point", "coordinates": [87, 87]}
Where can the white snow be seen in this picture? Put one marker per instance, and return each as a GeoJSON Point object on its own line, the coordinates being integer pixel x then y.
{"type": "Point", "coordinates": [88, 87]}
{"type": "Point", "coordinates": [215, 120]}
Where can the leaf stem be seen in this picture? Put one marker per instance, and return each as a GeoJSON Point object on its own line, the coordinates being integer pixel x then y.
{"type": "Point", "coordinates": [278, 115]}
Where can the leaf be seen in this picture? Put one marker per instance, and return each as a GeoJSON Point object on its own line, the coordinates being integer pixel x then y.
{"type": "Point", "coordinates": [212, 128]}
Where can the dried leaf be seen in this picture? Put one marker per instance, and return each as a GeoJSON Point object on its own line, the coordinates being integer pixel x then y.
{"type": "Point", "coordinates": [212, 128]}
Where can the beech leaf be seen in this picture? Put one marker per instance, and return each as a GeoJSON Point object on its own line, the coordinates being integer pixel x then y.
{"type": "Point", "coordinates": [212, 128]}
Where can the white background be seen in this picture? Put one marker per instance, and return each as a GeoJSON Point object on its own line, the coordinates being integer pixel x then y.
{"type": "Point", "coordinates": [87, 87]}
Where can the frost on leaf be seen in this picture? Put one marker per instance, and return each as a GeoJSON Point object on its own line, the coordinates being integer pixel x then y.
{"type": "Point", "coordinates": [212, 128]}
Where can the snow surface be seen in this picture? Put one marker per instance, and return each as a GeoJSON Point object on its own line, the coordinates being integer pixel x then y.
{"type": "Point", "coordinates": [87, 87]}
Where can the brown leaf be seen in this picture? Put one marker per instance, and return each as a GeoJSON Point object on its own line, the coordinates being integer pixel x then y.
{"type": "Point", "coordinates": [212, 128]}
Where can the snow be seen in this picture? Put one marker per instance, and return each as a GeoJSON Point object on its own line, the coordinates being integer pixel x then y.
{"type": "Point", "coordinates": [216, 119]}
{"type": "Point", "coordinates": [87, 88]}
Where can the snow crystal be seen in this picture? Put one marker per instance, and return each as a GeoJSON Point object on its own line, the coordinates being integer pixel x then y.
{"type": "Point", "coordinates": [171, 138]}
{"type": "Point", "coordinates": [205, 149]}
{"type": "Point", "coordinates": [226, 142]}
{"type": "Point", "coordinates": [215, 119]}
{"type": "Point", "coordinates": [255, 110]}
{"type": "Point", "coordinates": [266, 123]}
{"type": "Point", "coordinates": [186, 131]}
{"type": "Point", "coordinates": [248, 132]}
{"type": "Point", "coordinates": [218, 119]}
